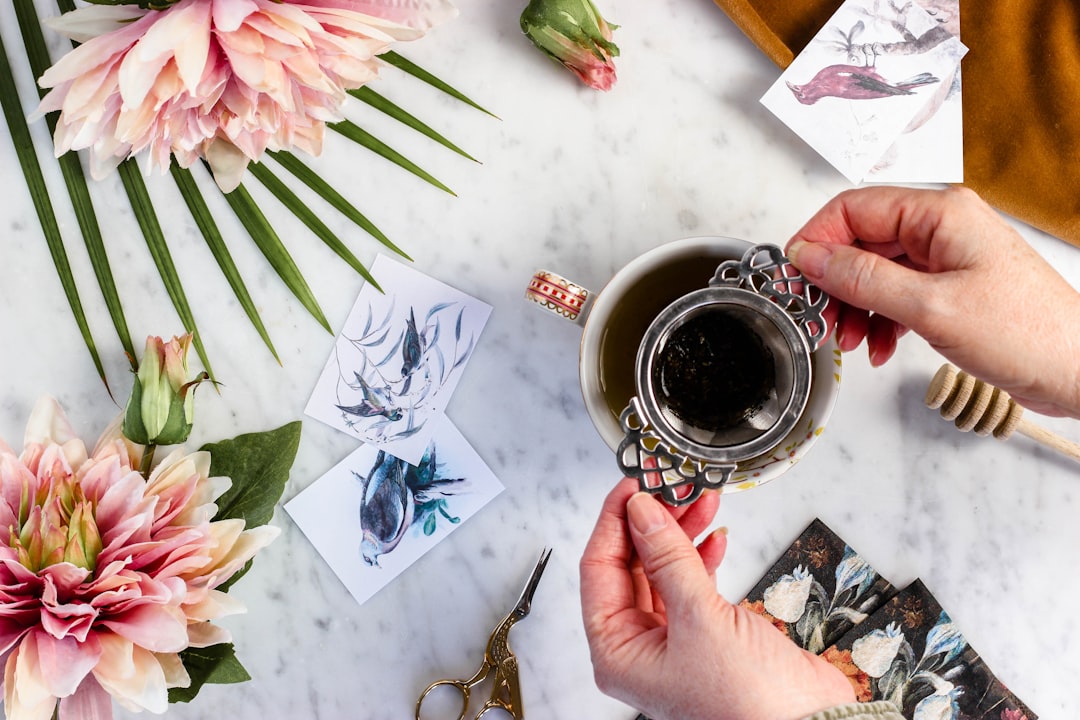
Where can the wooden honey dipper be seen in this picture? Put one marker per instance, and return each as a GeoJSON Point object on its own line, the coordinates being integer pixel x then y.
{"type": "Point", "coordinates": [975, 405]}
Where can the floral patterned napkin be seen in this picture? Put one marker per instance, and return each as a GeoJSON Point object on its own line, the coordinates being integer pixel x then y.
{"type": "Point", "coordinates": [911, 652]}
{"type": "Point", "coordinates": [818, 590]}
{"type": "Point", "coordinates": [899, 646]}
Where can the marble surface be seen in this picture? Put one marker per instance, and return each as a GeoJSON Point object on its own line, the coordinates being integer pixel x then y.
{"type": "Point", "coordinates": [580, 182]}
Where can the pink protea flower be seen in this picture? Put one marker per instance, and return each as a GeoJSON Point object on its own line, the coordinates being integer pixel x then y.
{"type": "Point", "coordinates": [223, 80]}
{"type": "Point", "coordinates": [105, 576]}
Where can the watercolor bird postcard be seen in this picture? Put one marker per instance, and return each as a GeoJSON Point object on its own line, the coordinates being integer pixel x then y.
{"type": "Point", "coordinates": [373, 515]}
{"type": "Point", "coordinates": [877, 70]}
{"type": "Point", "coordinates": [398, 359]}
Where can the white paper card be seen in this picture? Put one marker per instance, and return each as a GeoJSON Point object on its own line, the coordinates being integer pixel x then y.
{"type": "Point", "coordinates": [373, 515]}
{"type": "Point", "coordinates": [398, 359]}
{"type": "Point", "coordinates": [931, 147]}
{"type": "Point", "coordinates": [863, 79]}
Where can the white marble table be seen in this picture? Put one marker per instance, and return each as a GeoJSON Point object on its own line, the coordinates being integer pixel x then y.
{"type": "Point", "coordinates": [581, 182]}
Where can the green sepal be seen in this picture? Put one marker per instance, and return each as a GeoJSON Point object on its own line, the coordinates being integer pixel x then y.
{"type": "Point", "coordinates": [216, 664]}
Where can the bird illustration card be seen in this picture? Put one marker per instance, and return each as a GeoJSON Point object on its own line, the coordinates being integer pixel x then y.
{"type": "Point", "coordinates": [931, 148]}
{"type": "Point", "coordinates": [911, 652]}
{"type": "Point", "coordinates": [398, 359]}
{"type": "Point", "coordinates": [373, 515]}
{"type": "Point", "coordinates": [869, 74]}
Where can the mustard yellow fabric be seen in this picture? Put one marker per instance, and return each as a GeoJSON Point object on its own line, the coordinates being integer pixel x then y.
{"type": "Point", "coordinates": [1021, 85]}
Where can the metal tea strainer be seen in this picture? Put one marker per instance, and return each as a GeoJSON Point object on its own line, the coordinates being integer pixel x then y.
{"type": "Point", "coordinates": [679, 458]}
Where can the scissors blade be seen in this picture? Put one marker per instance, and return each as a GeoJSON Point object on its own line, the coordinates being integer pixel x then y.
{"type": "Point", "coordinates": [524, 603]}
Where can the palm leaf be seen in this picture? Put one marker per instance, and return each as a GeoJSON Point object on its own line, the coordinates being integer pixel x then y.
{"type": "Point", "coordinates": [296, 206]}
{"type": "Point", "coordinates": [39, 193]}
{"type": "Point", "coordinates": [75, 180]}
{"type": "Point", "coordinates": [308, 176]}
{"type": "Point", "coordinates": [268, 242]}
{"type": "Point", "coordinates": [401, 63]}
{"type": "Point", "coordinates": [242, 204]}
{"type": "Point", "coordinates": [366, 95]}
{"type": "Point", "coordinates": [363, 137]}
{"type": "Point", "coordinates": [205, 220]}
{"type": "Point", "coordinates": [145, 214]}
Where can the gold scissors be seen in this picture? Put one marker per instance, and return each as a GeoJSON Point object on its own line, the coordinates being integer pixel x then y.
{"type": "Point", "coordinates": [498, 659]}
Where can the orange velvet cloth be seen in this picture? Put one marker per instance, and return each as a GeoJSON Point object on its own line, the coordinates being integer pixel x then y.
{"type": "Point", "coordinates": [1021, 86]}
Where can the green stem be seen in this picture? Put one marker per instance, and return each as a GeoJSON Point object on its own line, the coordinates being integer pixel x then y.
{"type": "Point", "coordinates": [147, 460]}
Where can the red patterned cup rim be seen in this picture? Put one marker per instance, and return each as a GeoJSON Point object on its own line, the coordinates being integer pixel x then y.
{"type": "Point", "coordinates": [558, 295]}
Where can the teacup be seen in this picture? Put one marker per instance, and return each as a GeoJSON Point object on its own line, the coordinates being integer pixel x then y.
{"type": "Point", "coordinates": [618, 319]}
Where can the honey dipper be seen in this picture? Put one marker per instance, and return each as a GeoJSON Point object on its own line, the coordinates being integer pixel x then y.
{"type": "Point", "coordinates": [975, 405]}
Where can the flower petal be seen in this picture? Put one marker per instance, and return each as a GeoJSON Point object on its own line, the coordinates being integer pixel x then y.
{"type": "Point", "coordinates": [132, 676]}
{"type": "Point", "coordinates": [64, 663]}
{"type": "Point", "coordinates": [89, 702]}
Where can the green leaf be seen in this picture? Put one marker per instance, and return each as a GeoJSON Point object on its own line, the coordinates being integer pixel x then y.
{"type": "Point", "coordinates": [39, 193]}
{"type": "Point", "coordinates": [420, 73]}
{"type": "Point", "coordinates": [362, 137]}
{"type": "Point", "coordinates": [135, 187]}
{"type": "Point", "coordinates": [216, 664]}
{"type": "Point", "coordinates": [258, 464]}
{"type": "Point", "coordinates": [308, 176]}
{"type": "Point", "coordinates": [366, 95]}
{"type": "Point", "coordinates": [75, 180]}
{"type": "Point", "coordinates": [295, 205]}
{"type": "Point", "coordinates": [224, 587]}
{"type": "Point", "coordinates": [267, 240]}
{"type": "Point", "coordinates": [205, 220]}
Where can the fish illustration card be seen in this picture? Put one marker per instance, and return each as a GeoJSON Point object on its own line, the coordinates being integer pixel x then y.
{"type": "Point", "coordinates": [911, 652]}
{"type": "Point", "coordinates": [864, 79]}
{"type": "Point", "coordinates": [818, 590]}
{"type": "Point", "coordinates": [373, 515]}
{"type": "Point", "coordinates": [398, 359]}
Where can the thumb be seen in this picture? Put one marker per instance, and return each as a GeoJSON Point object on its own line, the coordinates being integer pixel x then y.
{"type": "Point", "coordinates": [863, 279]}
{"type": "Point", "coordinates": [672, 564]}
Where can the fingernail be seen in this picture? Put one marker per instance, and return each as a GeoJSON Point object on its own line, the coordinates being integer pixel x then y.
{"type": "Point", "coordinates": [811, 258]}
{"type": "Point", "coordinates": [722, 530]}
{"type": "Point", "coordinates": [645, 514]}
{"type": "Point", "coordinates": [841, 334]}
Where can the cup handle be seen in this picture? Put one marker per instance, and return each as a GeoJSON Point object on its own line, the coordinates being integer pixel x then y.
{"type": "Point", "coordinates": [556, 294]}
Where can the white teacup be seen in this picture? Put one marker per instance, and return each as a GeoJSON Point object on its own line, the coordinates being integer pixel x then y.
{"type": "Point", "coordinates": [615, 321]}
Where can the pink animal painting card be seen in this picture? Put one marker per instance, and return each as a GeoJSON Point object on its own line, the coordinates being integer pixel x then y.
{"type": "Point", "coordinates": [876, 69]}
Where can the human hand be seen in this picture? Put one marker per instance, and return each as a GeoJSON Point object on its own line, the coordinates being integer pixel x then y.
{"type": "Point", "coordinates": [945, 264]}
{"type": "Point", "coordinates": [666, 642]}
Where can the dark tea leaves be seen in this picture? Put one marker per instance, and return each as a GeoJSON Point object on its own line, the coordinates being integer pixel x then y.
{"type": "Point", "coordinates": [713, 372]}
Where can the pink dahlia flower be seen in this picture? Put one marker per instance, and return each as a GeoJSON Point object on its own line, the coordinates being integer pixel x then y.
{"type": "Point", "coordinates": [223, 80]}
{"type": "Point", "coordinates": [105, 576]}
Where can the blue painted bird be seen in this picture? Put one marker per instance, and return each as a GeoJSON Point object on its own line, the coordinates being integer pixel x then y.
{"type": "Point", "coordinates": [412, 351]}
{"type": "Point", "coordinates": [374, 403]}
{"type": "Point", "coordinates": [395, 496]}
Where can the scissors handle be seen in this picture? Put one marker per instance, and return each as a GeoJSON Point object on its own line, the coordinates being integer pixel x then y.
{"type": "Point", "coordinates": [461, 686]}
